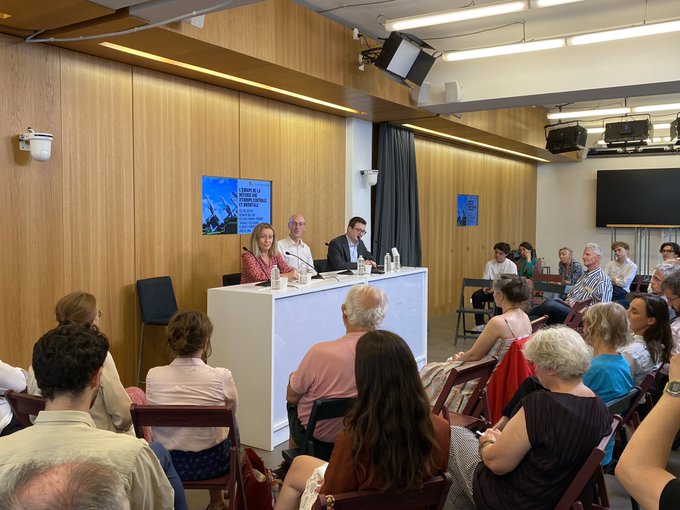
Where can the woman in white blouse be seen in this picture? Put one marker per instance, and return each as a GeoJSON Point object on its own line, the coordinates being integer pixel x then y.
{"type": "Point", "coordinates": [197, 454]}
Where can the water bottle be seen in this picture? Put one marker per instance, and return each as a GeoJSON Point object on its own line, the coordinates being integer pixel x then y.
{"type": "Point", "coordinates": [276, 278]}
{"type": "Point", "coordinates": [361, 268]}
{"type": "Point", "coordinates": [388, 262]}
{"type": "Point", "coordinates": [397, 262]}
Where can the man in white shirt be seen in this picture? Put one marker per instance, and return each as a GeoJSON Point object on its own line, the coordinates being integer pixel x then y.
{"type": "Point", "coordinates": [293, 244]}
{"type": "Point", "coordinates": [621, 271]}
{"type": "Point", "coordinates": [500, 264]}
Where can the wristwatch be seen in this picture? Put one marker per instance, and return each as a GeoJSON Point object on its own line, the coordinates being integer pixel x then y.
{"type": "Point", "coordinates": [672, 388]}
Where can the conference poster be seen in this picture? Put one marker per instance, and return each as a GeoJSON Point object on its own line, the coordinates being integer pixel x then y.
{"type": "Point", "coordinates": [234, 206]}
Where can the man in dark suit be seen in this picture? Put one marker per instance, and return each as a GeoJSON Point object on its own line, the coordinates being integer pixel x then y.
{"type": "Point", "coordinates": [344, 250]}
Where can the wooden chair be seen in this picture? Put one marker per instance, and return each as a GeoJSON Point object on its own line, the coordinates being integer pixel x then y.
{"type": "Point", "coordinates": [231, 279]}
{"type": "Point", "coordinates": [575, 315]}
{"type": "Point", "coordinates": [470, 417]}
{"type": "Point", "coordinates": [24, 406]}
{"type": "Point", "coordinates": [537, 324]}
{"type": "Point", "coordinates": [197, 416]}
{"type": "Point", "coordinates": [462, 311]}
{"type": "Point", "coordinates": [431, 496]}
{"type": "Point", "coordinates": [589, 481]}
{"type": "Point", "coordinates": [626, 407]}
{"type": "Point", "coordinates": [322, 409]}
{"type": "Point", "coordinates": [640, 283]}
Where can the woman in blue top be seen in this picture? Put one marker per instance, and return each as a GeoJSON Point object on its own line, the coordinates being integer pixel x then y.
{"type": "Point", "coordinates": [527, 261]}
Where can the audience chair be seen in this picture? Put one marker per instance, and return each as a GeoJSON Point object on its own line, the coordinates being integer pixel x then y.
{"type": "Point", "coordinates": [470, 417]}
{"type": "Point", "coordinates": [157, 304]}
{"type": "Point", "coordinates": [626, 407]}
{"type": "Point", "coordinates": [322, 409]}
{"type": "Point", "coordinates": [537, 324]}
{"type": "Point", "coordinates": [197, 416]}
{"type": "Point", "coordinates": [24, 406]}
{"type": "Point", "coordinates": [588, 484]}
{"type": "Point", "coordinates": [431, 496]}
{"type": "Point", "coordinates": [321, 265]}
{"type": "Point", "coordinates": [640, 283]}
{"type": "Point", "coordinates": [544, 286]}
{"type": "Point", "coordinates": [231, 279]}
{"type": "Point", "coordinates": [575, 315]}
{"type": "Point", "coordinates": [470, 283]}
{"type": "Point", "coordinates": [550, 278]}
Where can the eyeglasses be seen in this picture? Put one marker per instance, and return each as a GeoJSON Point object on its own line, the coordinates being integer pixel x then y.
{"type": "Point", "coordinates": [359, 230]}
{"type": "Point", "coordinates": [668, 250]}
{"type": "Point", "coordinates": [297, 223]}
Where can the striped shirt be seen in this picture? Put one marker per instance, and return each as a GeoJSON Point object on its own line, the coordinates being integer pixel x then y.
{"type": "Point", "coordinates": [595, 285]}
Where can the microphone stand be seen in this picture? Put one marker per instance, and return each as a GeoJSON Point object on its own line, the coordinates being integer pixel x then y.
{"type": "Point", "coordinates": [266, 283]}
{"type": "Point", "coordinates": [317, 276]}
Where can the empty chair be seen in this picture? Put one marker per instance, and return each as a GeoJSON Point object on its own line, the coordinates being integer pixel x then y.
{"type": "Point", "coordinates": [231, 279]}
{"type": "Point", "coordinates": [537, 324]}
{"type": "Point", "coordinates": [575, 315]}
{"type": "Point", "coordinates": [463, 311]}
{"type": "Point", "coordinates": [157, 304]}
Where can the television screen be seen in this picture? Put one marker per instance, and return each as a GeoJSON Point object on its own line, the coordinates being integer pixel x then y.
{"type": "Point", "coordinates": [638, 197]}
{"type": "Point", "coordinates": [234, 206]}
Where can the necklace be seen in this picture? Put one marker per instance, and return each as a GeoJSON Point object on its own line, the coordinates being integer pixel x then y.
{"type": "Point", "coordinates": [508, 309]}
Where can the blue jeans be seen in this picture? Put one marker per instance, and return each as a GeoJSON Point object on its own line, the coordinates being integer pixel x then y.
{"type": "Point", "coordinates": [174, 479]}
{"type": "Point", "coordinates": [556, 311]}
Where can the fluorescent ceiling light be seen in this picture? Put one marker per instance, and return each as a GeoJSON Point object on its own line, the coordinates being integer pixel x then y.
{"type": "Point", "coordinates": [662, 126]}
{"type": "Point", "coordinates": [550, 3]}
{"type": "Point", "coordinates": [227, 77]}
{"type": "Point", "coordinates": [595, 131]}
{"type": "Point", "coordinates": [588, 113]}
{"type": "Point", "coordinates": [473, 142]}
{"type": "Point", "coordinates": [625, 33]}
{"type": "Point", "coordinates": [440, 18]}
{"type": "Point", "coordinates": [657, 108]}
{"type": "Point", "coordinates": [508, 49]}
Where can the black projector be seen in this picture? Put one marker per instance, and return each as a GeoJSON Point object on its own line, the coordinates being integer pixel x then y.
{"type": "Point", "coordinates": [567, 139]}
{"type": "Point", "coordinates": [632, 132]}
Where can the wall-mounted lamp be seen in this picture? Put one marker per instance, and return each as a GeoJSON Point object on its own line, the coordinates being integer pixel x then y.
{"type": "Point", "coordinates": [39, 144]}
{"type": "Point", "coordinates": [370, 177]}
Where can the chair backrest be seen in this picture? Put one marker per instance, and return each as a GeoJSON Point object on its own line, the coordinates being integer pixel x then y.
{"type": "Point", "coordinates": [553, 278]}
{"type": "Point", "coordinates": [24, 405]}
{"type": "Point", "coordinates": [231, 279]}
{"type": "Point", "coordinates": [625, 406]}
{"type": "Point", "coordinates": [549, 286]}
{"type": "Point", "coordinates": [575, 315]}
{"type": "Point", "coordinates": [480, 370]}
{"type": "Point", "coordinates": [582, 480]}
{"type": "Point", "coordinates": [325, 409]}
{"type": "Point", "coordinates": [537, 324]}
{"type": "Point", "coordinates": [430, 496]}
{"type": "Point", "coordinates": [638, 282]}
{"type": "Point", "coordinates": [156, 299]}
{"type": "Point", "coordinates": [321, 265]}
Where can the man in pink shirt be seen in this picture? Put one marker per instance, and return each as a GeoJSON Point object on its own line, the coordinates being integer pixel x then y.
{"type": "Point", "coordinates": [327, 370]}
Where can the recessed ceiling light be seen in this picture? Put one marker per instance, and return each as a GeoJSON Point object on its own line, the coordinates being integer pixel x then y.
{"type": "Point", "coordinates": [588, 113]}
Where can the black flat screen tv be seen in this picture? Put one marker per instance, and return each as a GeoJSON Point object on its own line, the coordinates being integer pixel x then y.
{"type": "Point", "coordinates": [638, 197]}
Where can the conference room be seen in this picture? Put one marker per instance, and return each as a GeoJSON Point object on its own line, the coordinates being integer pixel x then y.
{"type": "Point", "coordinates": [148, 104]}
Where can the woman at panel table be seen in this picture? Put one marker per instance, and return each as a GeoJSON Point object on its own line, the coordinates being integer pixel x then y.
{"type": "Point", "coordinates": [263, 256]}
{"type": "Point", "coordinates": [111, 407]}
{"type": "Point", "coordinates": [197, 453]}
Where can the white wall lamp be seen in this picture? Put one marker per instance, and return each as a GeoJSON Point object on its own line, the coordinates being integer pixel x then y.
{"type": "Point", "coordinates": [39, 144]}
{"type": "Point", "coordinates": [370, 177]}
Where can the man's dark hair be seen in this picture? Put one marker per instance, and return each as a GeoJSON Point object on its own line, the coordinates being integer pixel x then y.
{"type": "Point", "coordinates": [355, 220]}
{"type": "Point", "coordinates": [672, 283]}
{"type": "Point", "coordinates": [66, 357]}
{"type": "Point", "coordinates": [504, 247]}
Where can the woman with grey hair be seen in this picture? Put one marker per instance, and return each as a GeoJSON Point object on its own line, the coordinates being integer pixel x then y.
{"type": "Point", "coordinates": [533, 459]}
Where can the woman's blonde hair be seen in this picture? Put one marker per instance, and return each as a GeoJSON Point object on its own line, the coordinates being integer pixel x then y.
{"type": "Point", "coordinates": [608, 323]}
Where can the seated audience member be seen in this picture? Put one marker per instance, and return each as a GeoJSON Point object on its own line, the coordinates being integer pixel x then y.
{"type": "Point", "coordinates": [293, 244]}
{"type": "Point", "coordinates": [391, 441]}
{"type": "Point", "coordinates": [642, 467]}
{"type": "Point", "coordinates": [11, 378]}
{"type": "Point", "coordinates": [197, 454]}
{"type": "Point", "coordinates": [652, 340]}
{"type": "Point", "coordinates": [670, 251]}
{"type": "Point", "coordinates": [621, 271]}
{"type": "Point", "coordinates": [534, 458]}
{"type": "Point", "coordinates": [111, 408]}
{"type": "Point", "coordinates": [70, 486]}
{"type": "Point", "coordinates": [498, 265]}
{"type": "Point", "coordinates": [527, 260]}
{"type": "Point", "coordinates": [671, 293]}
{"type": "Point", "coordinates": [327, 370]}
{"type": "Point", "coordinates": [344, 250]}
{"type": "Point", "coordinates": [661, 271]}
{"type": "Point", "coordinates": [594, 284]}
{"type": "Point", "coordinates": [510, 292]}
{"type": "Point", "coordinates": [68, 363]}
{"type": "Point", "coordinates": [263, 256]}
{"type": "Point", "coordinates": [570, 269]}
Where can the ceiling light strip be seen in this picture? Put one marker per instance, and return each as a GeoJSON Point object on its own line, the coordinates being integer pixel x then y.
{"type": "Point", "coordinates": [625, 33]}
{"type": "Point", "coordinates": [473, 142]}
{"type": "Point", "coordinates": [228, 77]}
{"type": "Point", "coordinates": [551, 3]}
{"type": "Point", "coordinates": [657, 108]}
{"type": "Point", "coordinates": [588, 113]}
{"type": "Point", "coordinates": [508, 49]}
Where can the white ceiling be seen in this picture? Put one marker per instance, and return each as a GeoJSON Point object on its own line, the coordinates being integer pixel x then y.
{"type": "Point", "coordinates": [637, 71]}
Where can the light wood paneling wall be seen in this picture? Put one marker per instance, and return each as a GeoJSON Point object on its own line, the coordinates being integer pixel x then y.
{"type": "Point", "coordinates": [507, 212]}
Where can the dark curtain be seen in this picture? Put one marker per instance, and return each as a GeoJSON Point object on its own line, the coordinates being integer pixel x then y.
{"type": "Point", "coordinates": [396, 215]}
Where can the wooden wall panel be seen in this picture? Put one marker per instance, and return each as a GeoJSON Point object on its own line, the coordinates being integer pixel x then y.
{"type": "Point", "coordinates": [98, 194]}
{"type": "Point", "coordinates": [31, 205]}
{"type": "Point", "coordinates": [507, 202]}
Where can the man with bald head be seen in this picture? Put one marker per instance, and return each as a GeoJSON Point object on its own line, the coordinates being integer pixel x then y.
{"type": "Point", "coordinates": [327, 370]}
{"type": "Point", "coordinates": [293, 244]}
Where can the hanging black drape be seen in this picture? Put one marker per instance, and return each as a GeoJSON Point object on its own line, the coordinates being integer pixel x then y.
{"type": "Point", "coordinates": [396, 215]}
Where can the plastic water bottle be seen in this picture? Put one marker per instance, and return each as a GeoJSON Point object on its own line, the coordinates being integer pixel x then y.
{"type": "Point", "coordinates": [388, 262]}
{"type": "Point", "coordinates": [361, 268]}
{"type": "Point", "coordinates": [397, 262]}
{"type": "Point", "coordinates": [276, 278]}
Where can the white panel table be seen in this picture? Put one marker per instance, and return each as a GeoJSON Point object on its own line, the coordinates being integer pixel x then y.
{"type": "Point", "coordinates": [262, 335]}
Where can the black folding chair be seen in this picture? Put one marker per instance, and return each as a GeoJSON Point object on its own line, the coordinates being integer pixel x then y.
{"type": "Point", "coordinates": [462, 311]}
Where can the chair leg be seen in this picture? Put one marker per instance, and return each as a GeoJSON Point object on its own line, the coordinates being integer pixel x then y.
{"type": "Point", "coordinates": [139, 363]}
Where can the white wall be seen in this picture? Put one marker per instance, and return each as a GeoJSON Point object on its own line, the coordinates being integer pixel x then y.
{"type": "Point", "coordinates": [359, 156]}
{"type": "Point", "coordinates": [566, 206]}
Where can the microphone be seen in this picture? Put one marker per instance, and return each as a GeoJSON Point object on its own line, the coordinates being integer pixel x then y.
{"type": "Point", "coordinates": [347, 271]}
{"type": "Point", "coordinates": [317, 276]}
{"type": "Point", "coordinates": [266, 283]}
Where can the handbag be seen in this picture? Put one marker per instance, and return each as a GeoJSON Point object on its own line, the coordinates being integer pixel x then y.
{"type": "Point", "coordinates": [258, 483]}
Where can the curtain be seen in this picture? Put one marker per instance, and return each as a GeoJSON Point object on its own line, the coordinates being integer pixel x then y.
{"type": "Point", "coordinates": [396, 215]}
